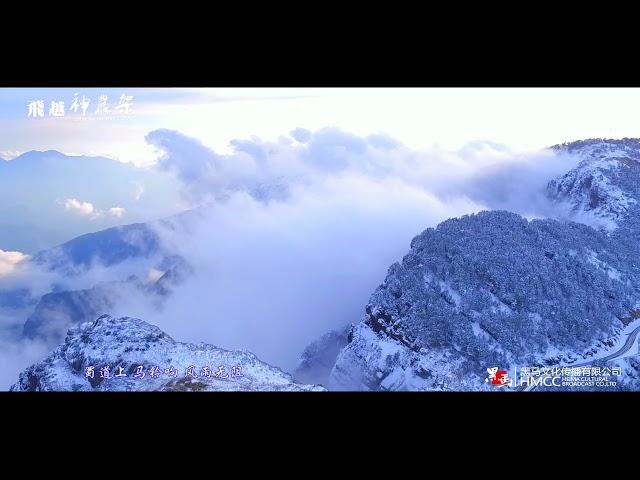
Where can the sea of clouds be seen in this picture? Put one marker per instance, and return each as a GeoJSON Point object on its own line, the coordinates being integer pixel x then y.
{"type": "Point", "coordinates": [293, 235]}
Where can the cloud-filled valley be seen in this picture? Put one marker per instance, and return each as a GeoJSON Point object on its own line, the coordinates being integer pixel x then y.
{"type": "Point", "coordinates": [290, 237]}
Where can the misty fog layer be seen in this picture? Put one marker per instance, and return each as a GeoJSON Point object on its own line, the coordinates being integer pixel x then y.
{"type": "Point", "coordinates": [294, 235]}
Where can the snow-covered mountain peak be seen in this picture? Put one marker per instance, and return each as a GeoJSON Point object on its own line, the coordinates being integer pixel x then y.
{"type": "Point", "coordinates": [604, 188]}
{"type": "Point", "coordinates": [128, 354]}
{"type": "Point", "coordinates": [601, 149]}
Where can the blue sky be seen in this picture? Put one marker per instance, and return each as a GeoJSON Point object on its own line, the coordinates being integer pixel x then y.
{"type": "Point", "coordinates": [121, 136]}
{"type": "Point", "coordinates": [523, 119]}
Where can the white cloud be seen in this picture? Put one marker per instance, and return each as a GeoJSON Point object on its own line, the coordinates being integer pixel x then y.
{"type": "Point", "coordinates": [16, 355]}
{"type": "Point", "coordinates": [9, 260]}
{"type": "Point", "coordinates": [272, 277]}
{"type": "Point", "coordinates": [308, 259]}
{"type": "Point", "coordinates": [9, 154]}
{"type": "Point", "coordinates": [116, 212]}
{"type": "Point", "coordinates": [79, 207]}
{"type": "Point", "coordinates": [154, 275]}
{"type": "Point", "coordinates": [487, 172]}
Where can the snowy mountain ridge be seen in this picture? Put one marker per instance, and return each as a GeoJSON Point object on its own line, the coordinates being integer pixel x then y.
{"type": "Point", "coordinates": [601, 148]}
{"type": "Point", "coordinates": [141, 357]}
{"type": "Point", "coordinates": [605, 187]}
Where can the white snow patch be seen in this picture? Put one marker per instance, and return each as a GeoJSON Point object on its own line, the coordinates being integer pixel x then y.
{"type": "Point", "coordinates": [499, 305]}
{"type": "Point", "coordinates": [457, 299]}
{"type": "Point", "coordinates": [478, 331]}
{"type": "Point", "coordinates": [444, 286]}
{"type": "Point", "coordinates": [611, 272]}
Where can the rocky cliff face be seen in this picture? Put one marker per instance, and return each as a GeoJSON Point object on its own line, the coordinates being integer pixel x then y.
{"type": "Point", "coordinates": [141, 357]}
{"type": "Point", "coordinates": [318, 359]}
